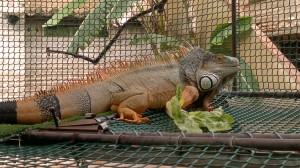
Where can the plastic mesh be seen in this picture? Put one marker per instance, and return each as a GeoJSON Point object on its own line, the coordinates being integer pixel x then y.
{"type": "Point", "coordinates": [268, 50]}
{"type": "Point", "coordinates": [160, 121]}
{"type": "Point", "coordinates": [269, 116]}
{"type": "Point", "coordinates": [108, 155]}
{"type": "Point", "coordinates": [251, 114]}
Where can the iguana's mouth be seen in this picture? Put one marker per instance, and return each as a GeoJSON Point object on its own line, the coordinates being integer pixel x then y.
{"type": "Point", "coordinates": [234, 66]}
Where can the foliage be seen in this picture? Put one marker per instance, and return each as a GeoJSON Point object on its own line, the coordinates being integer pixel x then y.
{"type": "Point", "coordinates": [221, 41]}
{"type": "Point", "coordinates": [221, 36]}
{"type": "Point", "coordinates": [247, 80]}
{"type": "Point", "coordinates": [158, 35]}
{"type": "Point", "coordinates": [159, 31]}
{"type": "Point", "coordinates": [192, 122]}
{"type": "Point", "coordinates": [57, 31]}
{"type": "Point", "coordinates": [104, 12]}
{"type": "Point", "coordinates": [95, 22]}
{"type": "Point", "coordinates": [64, 12]}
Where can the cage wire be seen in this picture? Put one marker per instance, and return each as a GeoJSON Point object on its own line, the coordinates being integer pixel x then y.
{"type": "Point", "coordinates": [264, 98]}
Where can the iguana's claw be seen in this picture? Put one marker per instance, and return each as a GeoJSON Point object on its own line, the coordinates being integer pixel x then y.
{"type": "Point", "coordinates": [135, 121]}
{"type": "Point", "coordinates": [138, 120]}
{"type": "Point", "coordinates": [209, 108]}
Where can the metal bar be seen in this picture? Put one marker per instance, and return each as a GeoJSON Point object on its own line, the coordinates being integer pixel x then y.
{"type": "Point", "coordinates": [214, 135]}
{"type": "Point", "coordinates": [265, 94]}
{"type": "Point", "coordinates": [210, 135]}
{"type": "Point", "coordinates": [270, 143]}
{"type": "Point", "coordinates": [234, 46]}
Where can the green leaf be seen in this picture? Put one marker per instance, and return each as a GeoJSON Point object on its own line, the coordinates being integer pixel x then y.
{"type": "Point", "coordinates": [179, 93]}
{"type": "Point", "coordinates": [219, 29]}
{"type": "Point", "coordinates": [119, 9]}
{"type": "Point", "coordinates": [214, 121]}
{"type": "Point", "coordinates": [221, 44]}
{"type": "Point", "coordinates": [247, 79]}
{"type": "Point", "coordinates": [155, 38]}
{"type": "Point", "coordinates": [94, 23]}
{"type": "Point", "coordinates": [187, 123]}
{"type": "Point", "coordinates": [244, 24]}
{"type": "Point", "coordinates": [174, 105]}
{"type": "Point", "coordinates": [66, 11]}
{"type": "Point", "coordinates": [228, 118]}
{"type": "Point", "coordinates": [192, 122]}
{"type": "Point", "coordinates": [224, 31]}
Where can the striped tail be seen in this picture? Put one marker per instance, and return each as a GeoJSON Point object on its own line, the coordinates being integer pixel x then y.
{"type": "Point", "coordinates": [29, 111]}
{"type": "Point", "coordinates": [8, 112]}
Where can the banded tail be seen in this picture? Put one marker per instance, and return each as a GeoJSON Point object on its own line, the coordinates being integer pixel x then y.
{"type": "Point", "coordinates": [8, 112]}
{"type": "Point", "coordinates": [28, 111]}
{"type": "Point", "coordinates": [92, 98]}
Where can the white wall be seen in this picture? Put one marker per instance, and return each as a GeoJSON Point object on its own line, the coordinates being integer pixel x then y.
{"type": "Point", "coordinates": [12, 51]}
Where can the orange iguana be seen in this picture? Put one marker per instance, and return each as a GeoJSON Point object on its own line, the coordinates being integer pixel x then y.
{"type": "Point", "coordinates": [128, 91]}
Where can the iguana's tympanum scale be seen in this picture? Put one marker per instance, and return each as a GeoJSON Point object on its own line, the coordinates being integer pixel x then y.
{"type": "Point", "coordinates": [128, 91]}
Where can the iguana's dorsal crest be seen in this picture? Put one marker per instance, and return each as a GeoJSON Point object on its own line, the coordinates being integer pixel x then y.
{"type": "Point", "coordinates": [113, 69]}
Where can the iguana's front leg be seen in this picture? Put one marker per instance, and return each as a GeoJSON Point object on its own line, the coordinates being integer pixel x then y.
{"type": "Point", "coordinates": [191, 94]}
{"type": "Point", "coordinates": [208, 99]}
{"type": "Point", "coordinates": [130, 104]}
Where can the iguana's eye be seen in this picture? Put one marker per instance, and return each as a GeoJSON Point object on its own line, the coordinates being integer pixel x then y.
{"type": "Point", "coordinates": [208, 81]}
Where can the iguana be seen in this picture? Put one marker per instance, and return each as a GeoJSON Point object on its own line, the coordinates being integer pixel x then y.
{"type": "Point", "coordinates": [130, 90]}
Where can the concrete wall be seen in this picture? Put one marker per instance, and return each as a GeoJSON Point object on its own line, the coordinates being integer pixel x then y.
{"type": "Point", "coordinates": [12, 51]}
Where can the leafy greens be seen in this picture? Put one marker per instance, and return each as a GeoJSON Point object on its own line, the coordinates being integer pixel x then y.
{"type": "Point", "coordinates": [192, 122]}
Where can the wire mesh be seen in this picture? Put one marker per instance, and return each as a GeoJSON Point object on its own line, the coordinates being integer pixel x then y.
{"type": "Point", "coordinates": [251, 114]}
{"type": "Point", "coordinates": [108, 155]}
{"type": "Point", "coordinates": [268, 54]}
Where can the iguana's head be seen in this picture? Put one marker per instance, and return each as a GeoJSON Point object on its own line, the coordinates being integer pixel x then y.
{"type": "Point", "coordinates": [207, 71]}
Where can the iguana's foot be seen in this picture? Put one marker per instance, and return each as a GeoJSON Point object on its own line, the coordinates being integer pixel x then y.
{"type": "Point", "coordinates": [208, 107]}
{"type": "Point", "coordinates": [138, 121]}
{"type": "Point", "coordinates": [206, 104]}
{"type": "Point", "coordinates": [130, 104]}
{"type": "Point", "coordinates": [131, 116]}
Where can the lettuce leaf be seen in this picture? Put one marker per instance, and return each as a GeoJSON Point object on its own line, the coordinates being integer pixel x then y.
{"type": "Point", "coordinates": [192, 122]}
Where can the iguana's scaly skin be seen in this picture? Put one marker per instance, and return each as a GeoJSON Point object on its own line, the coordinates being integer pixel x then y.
{"type": "Point", "coordinates": [130, 91]}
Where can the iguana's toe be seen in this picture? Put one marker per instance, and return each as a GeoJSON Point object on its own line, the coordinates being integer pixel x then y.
{"type": "Point", "coordinates": [145, 119]}
{"type": "Point", "coordinates": [208, 107]}
{"type": "Point", "coordinates": [138, 120]}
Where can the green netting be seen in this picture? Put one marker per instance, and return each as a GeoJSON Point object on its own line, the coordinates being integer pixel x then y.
{"type": "Point", "coordinates": [263, 115]}
{"type": "Point", "coordinates": [269, 58]}
{"type": "Point", "coordinates": [280, 115]}
{"type": "Point", "coordinates": [160, 121]}
{"type": "Point", "coordinates": [109, 155]}
{"type": "Point", "coordinates": [251, 114]}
